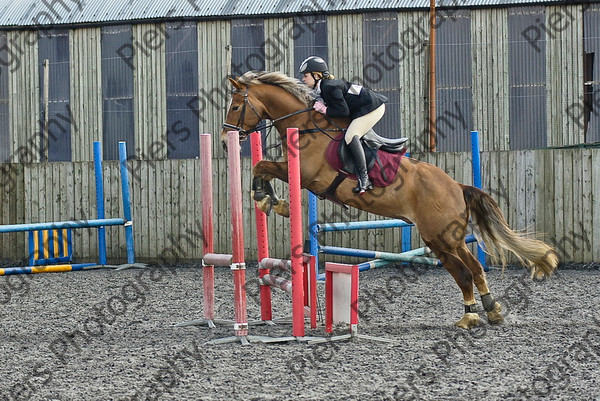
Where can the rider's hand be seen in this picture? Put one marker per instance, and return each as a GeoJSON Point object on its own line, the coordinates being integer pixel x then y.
{"type": "Point", "coordinates": [320, 107]}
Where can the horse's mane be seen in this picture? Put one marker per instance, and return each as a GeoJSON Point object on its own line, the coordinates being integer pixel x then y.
{"type": "Point", "coordinates": [291, 85]}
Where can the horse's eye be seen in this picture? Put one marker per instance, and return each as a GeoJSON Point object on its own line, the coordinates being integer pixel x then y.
{"type": "Point", "coordinates": [235, 108]}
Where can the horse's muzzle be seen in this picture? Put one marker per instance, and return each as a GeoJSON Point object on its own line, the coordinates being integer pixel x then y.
{"type": "Point", "coordinates": [243, 134]}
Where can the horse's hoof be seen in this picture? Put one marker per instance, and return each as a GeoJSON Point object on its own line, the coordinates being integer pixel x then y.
{"type": "Point", "coordinates": [495, 315]}
{"type": "Point", "coordinates": [265, 205]}
{"type": "Point", "coordinates": [468, 321]}
{"type": "Point", "coordinates": [282, 208]}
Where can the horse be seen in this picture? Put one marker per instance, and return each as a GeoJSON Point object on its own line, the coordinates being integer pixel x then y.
{"type": "Point", "coordinates": [421, 193]}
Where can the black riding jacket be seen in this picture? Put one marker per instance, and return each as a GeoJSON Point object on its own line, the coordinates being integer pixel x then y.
{"type": "Point", "coordinates": [345, 99]}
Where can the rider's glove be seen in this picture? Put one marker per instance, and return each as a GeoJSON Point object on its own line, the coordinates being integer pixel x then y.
{"type": "Point", "coordinates": [320, 107]}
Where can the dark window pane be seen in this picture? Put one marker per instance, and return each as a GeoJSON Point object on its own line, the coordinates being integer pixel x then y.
{"type": "Point", "coordinates": [182, 89]}
{"type": "Point", "coordinates": [53, 46]}
{"type": "Point", "coordinates": [591, 43]}
{"type": "Point", "coordinates": [182, 136]}
{"type": "Point", "coordinates": [247, 40]}
{"type": "Point", "coordinates": [310, 38]}
{"type": "Point", "coordinates": [527, 79]}
{"type": "Point", "coordinates": [528, 117]}
{"type": "Point", "coordinates": [247, 48]}
{"type": "Point", "coordinates": [182, 59]}
{"type": "Point", "coordinates": [593, 127]}
{"type": "Point", "coordinates": [380, 72]}
{"type": "Point", "coordinates": [389, 126]}
{"type": "Point", "coordinates": [454, 99]}
{"type": "Point", "coordinates": [118, 126]}
{"type": "Point", "coordinates": [453, 48]}
{"type": "Point", "coordinates": [4, 124]}
{"type": "Point", "coordinates": [454, 119]}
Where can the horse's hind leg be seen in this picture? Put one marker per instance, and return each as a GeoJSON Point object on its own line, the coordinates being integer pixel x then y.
{"type": "Point", "coordinates": [491, 307]}
{"type": "Point", "coordinates": [464, 278]}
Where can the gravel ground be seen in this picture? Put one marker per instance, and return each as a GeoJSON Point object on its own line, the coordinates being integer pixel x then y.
{"type": "Point", "coordinates": [109, 335]}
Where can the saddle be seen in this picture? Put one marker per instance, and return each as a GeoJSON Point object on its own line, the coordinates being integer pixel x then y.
{"type": "Point", "coordinates": [371, 143]}
{"type": "Point", "coordinates": [382, 155]}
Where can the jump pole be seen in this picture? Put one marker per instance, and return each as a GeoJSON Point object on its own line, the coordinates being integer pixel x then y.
{"type": "Point", "coordinates": [476, 163]}
{"type": "Point", "coordinates": [238, 265]}
{"type": "Point", "coordinates": [301, 266]}
{"type": "Point", "coordinates": [100, 201]}
{"type": "Point", "coordinates": [236, 260]}
{"type": "Point", "coordinates": [266, 311]}
{"type": "Point", "coordinates": [209, 258]}
{"type": "Point", "coordinates": [296, 239]}
{"type": "Point", "coordinates": [206, 185]}
{"type": "Point", "coordinates": [126, 203]}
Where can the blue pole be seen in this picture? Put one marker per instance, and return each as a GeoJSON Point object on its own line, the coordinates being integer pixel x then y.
{"type": "Point", "coordinates": [100, 202]}
{"type": "Point", "coordinates": [361, 225]}
{"type": "Point", "coordinates": [312, 228]}
{"type": "Point", "coordinates": [14, 228]}
{"type": "Point", "coordinates": [414, 256]}
{"type": "Point", "coordinates": [476, 158]}
{"type": "Point", "coordinates": [406, 231]}
{"type": "Point", "coordinates": [126, 202]}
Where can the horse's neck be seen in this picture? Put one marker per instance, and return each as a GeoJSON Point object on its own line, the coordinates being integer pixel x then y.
{"type": "Point", "coordinates": [279, 103]}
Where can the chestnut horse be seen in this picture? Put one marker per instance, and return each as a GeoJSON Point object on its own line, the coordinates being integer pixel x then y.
{"type": "Point", "coordinates": [421, 193]}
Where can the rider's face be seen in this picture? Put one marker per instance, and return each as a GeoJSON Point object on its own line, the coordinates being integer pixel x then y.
{"type": "Point", "coordinates": [308, 80]}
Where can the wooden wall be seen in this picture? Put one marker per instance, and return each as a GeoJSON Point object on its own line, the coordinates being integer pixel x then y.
{"type": "Point", "coordinates": [556, 192]}
{"type": "Point", "coordinates": [489, 71]}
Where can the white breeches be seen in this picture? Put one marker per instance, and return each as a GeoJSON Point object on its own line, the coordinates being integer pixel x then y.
{"type": "Point", "coordinates": [361, 125]}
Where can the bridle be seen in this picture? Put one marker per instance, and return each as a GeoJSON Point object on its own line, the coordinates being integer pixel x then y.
{"type": "Point", "coordinates": [244, 133]}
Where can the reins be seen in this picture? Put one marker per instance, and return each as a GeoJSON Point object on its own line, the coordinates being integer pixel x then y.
{"type": "Point", "coordinates": [268, 126]}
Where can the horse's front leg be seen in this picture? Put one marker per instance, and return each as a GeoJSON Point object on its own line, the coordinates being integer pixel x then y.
{"type": "Point", "coordinates": [262, 190]}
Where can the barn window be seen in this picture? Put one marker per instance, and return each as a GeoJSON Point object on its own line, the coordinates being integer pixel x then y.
{"type": "Point", "coordinates": [182, 90]}
{"type": "Point", "coordinates": [527, 78]}
{"type": "Point", "coordinates": [53, 48]}
{"type": "Point", "coordinates": [247, 42]}
{"type": "Point", "coordinates": [381, 71]}
{"type": "Point", "coordinates": [247, 53]}
{"type": "Point", "coordinates": [454, 99]}
{"type": "Point", "coordinates": [310, 38]}
{"type": "Point", "coordinates": [309, 34]}
{"type": "Point", "coordinates": [117, 90]}
{"type": "Point", "coordinates": [4, 124]}
{"type": "Point", "coordinates": [590, 110]}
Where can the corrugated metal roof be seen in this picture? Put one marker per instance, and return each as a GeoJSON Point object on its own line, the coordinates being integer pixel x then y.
{"type": "Point", "coordinates": [58, 12]}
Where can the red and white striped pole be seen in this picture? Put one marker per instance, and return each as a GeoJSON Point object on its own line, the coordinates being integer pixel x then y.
{"type": "Point", "coordinates": [207, 224]}
{"type": "Point", "coordinates": [296, 238]}
{"type": "Point", "coordinates": [238, 265]}
{"type": "Point", "coordinates": [262, 236]}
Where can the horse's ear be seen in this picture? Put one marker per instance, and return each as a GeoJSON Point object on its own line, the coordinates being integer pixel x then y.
{"type": "Point", "coordinates": [235, 83]}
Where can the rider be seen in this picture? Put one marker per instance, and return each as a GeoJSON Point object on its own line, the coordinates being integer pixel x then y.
{"type": "Point", "coordinates": [345, 99]}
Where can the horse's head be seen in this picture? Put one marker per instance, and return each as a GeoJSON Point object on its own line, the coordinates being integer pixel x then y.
{"type": "Point", "coordinates": [244, 112]}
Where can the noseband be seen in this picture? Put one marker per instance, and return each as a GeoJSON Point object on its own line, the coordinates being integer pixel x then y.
{"type": "Point", "coordinates": [244, 133]}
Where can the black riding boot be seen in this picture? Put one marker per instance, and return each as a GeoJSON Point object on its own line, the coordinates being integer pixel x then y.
{"type": "Point", "coordinates": [364, 184]}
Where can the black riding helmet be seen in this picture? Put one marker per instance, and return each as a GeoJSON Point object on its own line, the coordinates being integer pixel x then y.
{"type": "Point", "coordinates": [314, 64]}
